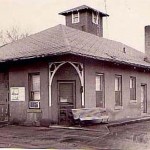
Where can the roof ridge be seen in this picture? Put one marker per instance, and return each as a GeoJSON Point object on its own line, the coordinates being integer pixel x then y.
{"type": "Point", "coordinates": [65, 37]}
{"type": "Point", "coordinates": [30, 36]}
{"type": "Point", "coordinates": [110, 40]}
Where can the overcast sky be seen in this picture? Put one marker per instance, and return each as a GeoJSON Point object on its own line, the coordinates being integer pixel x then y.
{"type": "Point", "coordinates": [125, 24]}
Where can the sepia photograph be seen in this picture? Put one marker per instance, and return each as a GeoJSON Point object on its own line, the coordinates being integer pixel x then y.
{"type": "Point", "coordinates": [75, 74]}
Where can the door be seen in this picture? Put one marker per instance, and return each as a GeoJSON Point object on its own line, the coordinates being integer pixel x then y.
{"type": "Point", "coordinates": [143, 98]}
{"type": "Point", "coordinates": [66, 101]}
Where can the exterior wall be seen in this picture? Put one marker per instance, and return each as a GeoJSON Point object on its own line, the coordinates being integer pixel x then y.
{"type": "Point", "coordinates": [79, 26]}
{"type": "Point", "coordinates": [18, 77]}
{"type": "Point", "coordinates": [94, 28]}
{"type": "Point", "coordinates": [130, 109]}
{"type": "Point", "coordinates": [86, 21]}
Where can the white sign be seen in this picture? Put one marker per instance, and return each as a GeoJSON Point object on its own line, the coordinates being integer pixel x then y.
{"type": "Point", "coordinates": [17, 93]}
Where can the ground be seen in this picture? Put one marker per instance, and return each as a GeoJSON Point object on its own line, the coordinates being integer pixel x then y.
{"type": "Point", "coordinates": [132, 136]}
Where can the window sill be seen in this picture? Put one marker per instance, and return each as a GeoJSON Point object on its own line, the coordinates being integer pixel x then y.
{"type": "Point", "coordinates": [133, 101]}
{"type": "Point", "coordinates": [118, 107]}
{"type": "Point", "coordinates": [35, 110]}
{"type": "Point", "coordinates": [75, 22]}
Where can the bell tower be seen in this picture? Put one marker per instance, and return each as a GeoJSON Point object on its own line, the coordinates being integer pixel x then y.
{"type": "Point", "coordinates": [86, 19]}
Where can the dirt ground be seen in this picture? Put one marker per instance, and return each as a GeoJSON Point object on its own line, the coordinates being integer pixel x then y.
{"type": "Point", "coordinates": [132, 136]}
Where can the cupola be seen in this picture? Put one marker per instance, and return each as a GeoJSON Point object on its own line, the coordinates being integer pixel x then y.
{"type": "Point", "coordinates": [86, 19]}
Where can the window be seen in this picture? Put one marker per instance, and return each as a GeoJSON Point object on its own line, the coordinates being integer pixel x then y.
{"type": "Point", "coordinates": [34, 82]}
{"type": "Point", "coordinates": [100, 90]}
{"type": "Point", "coordinates": [132, 88]}
{"type": "Point", "coordinates": [118, 90]}
{"type": "Point", "coordinates": [95, 18]}
{"type": "Point", "coordinates": [75, 17]}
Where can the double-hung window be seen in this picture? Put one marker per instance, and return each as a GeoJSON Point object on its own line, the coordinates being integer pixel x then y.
{"type": "Point", "coordinates": [132, 88]}
{"type": "Point", "coordinates": [75, 17]}
{"type": "Point", "coordinates": [118, 90]}
{"type": "Point", "coordinates": [100, 90]}
{"type": "Point", "coordinates": [34, 90]}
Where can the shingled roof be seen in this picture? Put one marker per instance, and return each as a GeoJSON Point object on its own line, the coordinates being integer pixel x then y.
{"type": "Point", "coordinates": [83, 7]}
{"type": "Point", "coordinates": [65, 40]}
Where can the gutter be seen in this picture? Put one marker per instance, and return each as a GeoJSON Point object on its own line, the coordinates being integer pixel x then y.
{"type": "Point", "coordinates": [77, 54]}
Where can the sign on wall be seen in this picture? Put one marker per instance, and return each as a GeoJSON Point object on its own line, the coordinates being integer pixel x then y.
{"type": "Point", "coordinates": [17, 93]}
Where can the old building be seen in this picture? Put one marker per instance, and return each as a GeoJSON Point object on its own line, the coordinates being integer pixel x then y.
{"type": "Point", "coordinates": [73, 66]}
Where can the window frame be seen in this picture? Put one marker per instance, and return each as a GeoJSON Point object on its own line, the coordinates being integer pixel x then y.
{"type": "Point", "coordinates": [31, 97]}
{"type": "Point", "coordinates": [119, 77]}
{"type": "Point", "coordinates": [132, 87]}
{"type": "Point", "coordinates": [95, 16]}
{"type": "Point", "coordinates": [101, 88]}
{"type": "Point", "coordinates": [74, 17]}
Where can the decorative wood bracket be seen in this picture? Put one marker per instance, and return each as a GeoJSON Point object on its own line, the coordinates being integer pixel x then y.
{"type": "Point", "coordinates": [54, 66]}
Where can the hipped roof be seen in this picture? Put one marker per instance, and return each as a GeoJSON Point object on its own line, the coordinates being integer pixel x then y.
{"type": "Point", "coordinates": [83, 7]}
{"type": "Point", "coordinates": [65, 40]}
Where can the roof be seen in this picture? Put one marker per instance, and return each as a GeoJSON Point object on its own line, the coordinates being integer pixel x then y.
{"type": "Point", "coordinates": [65, 40]}
{"type": "Point", "coordinates": [83, 7]}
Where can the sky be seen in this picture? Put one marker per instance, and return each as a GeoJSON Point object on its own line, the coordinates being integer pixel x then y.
{"type": "Point", "coordinates": [126, 21]}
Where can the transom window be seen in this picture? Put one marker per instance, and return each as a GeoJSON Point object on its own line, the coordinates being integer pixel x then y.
{"type": "Point", "coordinates": [75, 17]}
{"type": "Point", "coordinates": [95, 18]}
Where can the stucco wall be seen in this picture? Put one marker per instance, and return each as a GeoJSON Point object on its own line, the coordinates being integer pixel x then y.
{"type": "Point", "coordinates": [129, 108]}
{"type": "Point", "coordinates": [18, 77]}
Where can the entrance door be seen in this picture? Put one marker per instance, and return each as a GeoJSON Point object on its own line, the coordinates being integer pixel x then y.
{"type": "Point", "coordinates": [66, 101]}
{"type": "Point", "coordinates": [143, 98]}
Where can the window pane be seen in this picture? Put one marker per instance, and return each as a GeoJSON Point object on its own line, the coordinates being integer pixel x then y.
{"type": "Point", "coordinates": [99, 99]}
{"type": "Point", "coordinates": [116, 84]}
{"type": "Point", "coordinates": [101, 82]}
{"type": "Point", "coordinates": [95, 18]}
{"type": "Point", "coordinates": [36, 82]}
{"type": "Point", "coordinates": [75, 17]}
{"type": "Point", "coordinates": [100, 90]}
{"type": "Point", "coordinates": [131, 82]}
{"type": "Point", "coordinates": [66, 92]}
{"type": "Point", "coordinates": [34, 87]}
{"type": "Point", "coordinates": [118, 98]}
{"type": "Point", "coordinates": [118, 92]}
{"type": "Point", "coordinates": [97, 83]}
{"type": "Point", "coordinates": [36, 95]}
{"type": "Point", "coordinates": [132, 88]}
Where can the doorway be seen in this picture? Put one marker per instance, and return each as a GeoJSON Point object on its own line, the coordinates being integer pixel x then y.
{"type": "Point", "coordinates": [66, 101]}
{"type": "Point", "coordinates": [143, 98]}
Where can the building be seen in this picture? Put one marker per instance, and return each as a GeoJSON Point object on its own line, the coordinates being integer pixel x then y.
{"type": "Point", "coordinates": [73, 66]}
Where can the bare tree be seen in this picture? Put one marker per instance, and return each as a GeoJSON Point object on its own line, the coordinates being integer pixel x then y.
{"type": "Point", "coordinates": [12, 35]}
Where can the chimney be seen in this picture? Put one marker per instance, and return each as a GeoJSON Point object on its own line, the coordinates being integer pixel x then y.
{"type": "Point", "coordinates": [86, 19]}
{"type": "Point", "coordinates": [147, 40]}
